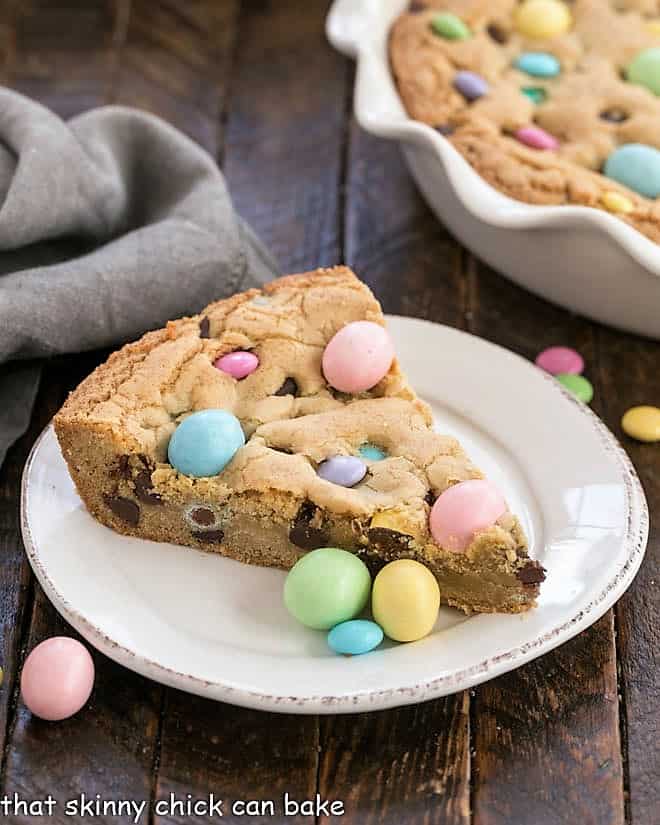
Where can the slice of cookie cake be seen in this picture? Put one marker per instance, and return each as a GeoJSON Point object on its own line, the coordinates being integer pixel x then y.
{"type": "Point", "coordinates": [279, 421]}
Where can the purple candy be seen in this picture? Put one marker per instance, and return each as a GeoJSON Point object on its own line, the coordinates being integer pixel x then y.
{"type": "Point", "coordinates": [345, 470]}
{"type": "Point", "coordinates": [472, 86]}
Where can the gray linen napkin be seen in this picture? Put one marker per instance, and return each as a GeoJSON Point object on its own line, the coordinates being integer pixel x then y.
{"type": "Point", "coordinates": [110, 225]}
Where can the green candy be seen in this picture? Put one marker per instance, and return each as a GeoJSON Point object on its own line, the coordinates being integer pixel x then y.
{"type": "Point", "coordinates": [450, 27]}
{"type": "Point", "coordinates": [535, 93]}
{"type": "Point", "coordinates": [326, 587]}
{"type": "Point", "coordinates": [578, 385]}
{"type": "Point", "coordinates": [644, 70]}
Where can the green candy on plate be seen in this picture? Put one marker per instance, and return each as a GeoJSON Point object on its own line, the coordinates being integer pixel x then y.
{"type": "Point", "coordinates": [326, 587]}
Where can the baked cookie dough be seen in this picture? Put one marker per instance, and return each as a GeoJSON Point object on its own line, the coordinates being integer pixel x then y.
{"type": "Point", "coordinates": [551, 102]}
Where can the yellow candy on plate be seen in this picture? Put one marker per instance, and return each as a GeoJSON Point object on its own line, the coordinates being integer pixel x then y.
{"type": "Point", "coordinates": [542, 19]}
{"type": "Point", "coordinates": [642, 423]}
{"type": "Point", "coordinates": [653, 27]}
{"type": "Point", "coordinates": [616, 202]}
{"type": "Point", "coordinates": [405, 600]}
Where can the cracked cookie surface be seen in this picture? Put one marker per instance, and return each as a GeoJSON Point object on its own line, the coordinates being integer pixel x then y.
{"type": "Point", "coordinates": [589, 109]}
{"type": "Point", "coordinates": [270, 504]}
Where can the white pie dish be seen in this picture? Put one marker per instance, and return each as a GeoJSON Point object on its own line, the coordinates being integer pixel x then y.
{"type": "Point", "coordinates": [581, 258]}
{"type": "Point", "coordinates": [218, 628]}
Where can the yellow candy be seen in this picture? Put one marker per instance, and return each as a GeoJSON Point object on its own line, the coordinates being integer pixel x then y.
{"type": "Point", "coordinates": [616, 202]}
{"type": "Point", "coordinates": [642, 423]}
{"type": "Point", "coordinates": [392, 520]}
{"type": "Point", "coordinates": [540, 19]}
{"type": "Point", "coordinates": [653, 27]}
{"type": "Point", "coordinates": [405, 600]}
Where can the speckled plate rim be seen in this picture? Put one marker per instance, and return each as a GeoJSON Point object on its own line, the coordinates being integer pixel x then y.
{"type": "Point", "coordinates": [355, 28]}
{"type": "Point", "coordinates": [634, 545]}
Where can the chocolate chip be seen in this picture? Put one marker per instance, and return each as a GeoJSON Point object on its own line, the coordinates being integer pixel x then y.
{"type": "Point", "coordinates": [205, 328]}
{"type": "Point", "coordinates": [307, 531]}
{"type": "Point", "coordinates": [122, 468]}
{"type": "Point", "coordinates": [531, 573]}
{"type": "Point", "coordinates": [289, 387]}
{"type": "Point", "coordinates": [123, 508]}
{"type": "Point", "coordinates": [416, 6]}
{"type": "Point", "coordinates": [430, 498]}
{"type": "Point", "coordinates": [143, 487]}
{"type": "Point", "coordinates": [497, 33]}
{"type": "Point", "coordinates": [210, 536]}
{"type": "Point", "coordinates": [391, 543]}
{"type": "Point", "coordinates": [203, 516]}
{"type": "Point", "coordinates": [445, 129]}
{"type": "Point", "coordinates": [614, 115]}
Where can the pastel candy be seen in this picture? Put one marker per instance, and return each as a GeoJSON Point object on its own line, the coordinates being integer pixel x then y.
{"type": "Point", "coordinates": [405, 600]}
{"type": "Point", "coordinates": [538, 19]}
{"type": "Point", "coordinates": [642, 423]}
{"type": "Point", "coordinates": [536, 138]}
{"type": "Point", "coordinates": [578, 385]}
{"type": "Point", "coordinates": [358, 357]}
{"type": "Point", "coordinates": [238, 364]}
{"type": "Point", "coordinates": [205, 442]}
{"type": "Point", "coordinates": [616, 202]}
{"type": "Point", "coordinates": [471, 85]}
{"type": "Point", "coordinates": [355, 637]}
{"type": "Point", "coordinates": [536, 94]}
{"type": "Point", "coordinates": [556, 360]}
{"type": "Point", "coordinates": [644, 70]}
{"type": "Point", "coordinates": [463, 510]}
{"type": "Point", "coordinates": [449, 26]}
{"type": "Point", "coordinates": [371, 452]}
{"type": "Point", "coordinates": [57, 678]}
{"type": "Point", "coordinates": [326, 587]}
{"type": "Point", "coordinates": [345, 470]}
{"type": "Point", "coordinates": [636, 166]}
{"type": "Point", "coordinates": [538, 64]}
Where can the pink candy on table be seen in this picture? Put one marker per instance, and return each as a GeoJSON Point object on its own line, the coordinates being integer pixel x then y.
{"type": "Point", "coordinates": [536, 137]}
{"type": "Point", "coordinates": [238, 364]}
{"type": "Point", "coordinates": [560, 361]}
{"type": "Point", "coordinates": [464, 509]}
{"type": "Point", "coordinates": [357, 357]}
{"type": "Point", "coordinates": [57, 678]}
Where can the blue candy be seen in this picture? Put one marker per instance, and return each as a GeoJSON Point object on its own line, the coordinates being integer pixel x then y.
{"type": "Point", "coordinates": [345, 470]}
{"type": "Point", "coordinates": [371, 452]}
{"type": "Point", "coordinates": [205, 442]}
{"type": "Point", "coordinates": [538, 64]}
{"type": "Point", "coordinates": [637, 167]}
{"type": "Point", "coordinates": [355, 637]}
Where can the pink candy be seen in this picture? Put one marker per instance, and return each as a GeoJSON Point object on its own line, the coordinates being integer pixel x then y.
{"type": "Point", "coordinates": [462, 510]}
{"type": "Point", "coordinates": [560, 361]}
{"type": "Point", "coordinates": [536, 137]}
{"type": "Point", "coordinates": [238, 364]}
{"type": "Point", "coordinates": [357, 357]}
{"type": "Point", "coordinates": [57, 678]}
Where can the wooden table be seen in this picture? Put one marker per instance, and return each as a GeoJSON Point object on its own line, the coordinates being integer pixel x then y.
{"type": "Point", "coordinates": [570, 738]}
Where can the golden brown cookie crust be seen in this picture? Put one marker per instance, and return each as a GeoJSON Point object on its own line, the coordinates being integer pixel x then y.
{"type": "Point", "coordinates": [603, 39]}
{"type": "Point", "coordinates": [269, 504]}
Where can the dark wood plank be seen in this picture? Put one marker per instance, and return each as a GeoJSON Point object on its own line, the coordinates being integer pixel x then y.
{"type": "Point", "coordinates": [629, 375]}
{"type": "Point", "coordinates": [176, 61]}
{"type": "Point", "coordinates": [281, 120]}
{"type": "Point", "coordinates": [62, 52]}
{"type": "Point", "coordinates": [547, 745]}
{"type": "Point", "coordinates": [106, 749]}
{"type": "Point", "coordinates": [408, 765]}
{"type": "Point", "coordinates": [285, 130]}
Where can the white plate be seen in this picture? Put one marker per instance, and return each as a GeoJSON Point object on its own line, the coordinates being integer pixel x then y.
{"type": "Point", "coordinates": [218, 628]}
{"type": "Point", "coordinates": [581, 258]}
